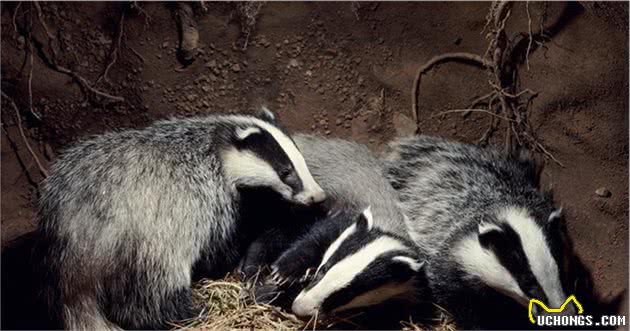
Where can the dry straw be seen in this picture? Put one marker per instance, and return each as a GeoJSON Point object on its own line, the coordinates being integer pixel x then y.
{"type": "Point", "coordinates": [225, 307]}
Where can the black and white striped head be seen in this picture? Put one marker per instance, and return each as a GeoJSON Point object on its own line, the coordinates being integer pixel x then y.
{"type": "Point", "coordinates": [263, 155]}
{"type": "Point", "coordinates": [364, 266]}
{"type": "Point", "coordinates": [517, 255]}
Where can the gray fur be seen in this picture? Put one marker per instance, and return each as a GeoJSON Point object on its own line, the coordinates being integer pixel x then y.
{"type": "Point", "coordinates": [352, 175]}
{"type": "Point", "coordinates": [447, 189]}
{"type": "Point", "coordinates": [125, 216]}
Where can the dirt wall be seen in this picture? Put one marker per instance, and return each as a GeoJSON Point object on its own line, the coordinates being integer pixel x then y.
{"type": "Point", "coordinates": [337, 69]}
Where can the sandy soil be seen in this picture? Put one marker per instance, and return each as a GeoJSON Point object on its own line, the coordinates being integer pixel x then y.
{"type": "Point", "coordinates": [343, 70]}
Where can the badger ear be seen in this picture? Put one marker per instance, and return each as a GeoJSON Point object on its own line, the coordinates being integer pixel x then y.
{"type": "Point", "coordinates": [365, 221]}
{"type": "Point", "coordinates": [412, 263]}
{"type": "Point", "coordinates": [555, 217]}
{"type": "Point", "coordinates": [266, 115]}
{"type": "Point", "coordinates": [244, 133]}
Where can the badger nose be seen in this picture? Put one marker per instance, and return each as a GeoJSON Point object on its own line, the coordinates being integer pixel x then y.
{"type": "Point", "coordinates": [318, 196]}
{"type": "Point", "coordinates": [303, 307]}
{"type": "Point", "coordinates": [303, 310]}
{"type": "Point", "coordinates": [310, 198]}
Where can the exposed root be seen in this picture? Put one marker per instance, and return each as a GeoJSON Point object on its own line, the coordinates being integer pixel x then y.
{"type": "Point", "coordinates": [531, 36]}
{"type": "Point", "coordinates": [247, 13]}
{"type": "Point", "coordinates": [14, 18]}
{"type": "Point", "coordinates": [140, 57]}
{"type": "Point", "coordinates": [473, 111]}
{"type": "Point", "coordinates": [507, 101]}
{"type": "Point", "coordinates": [18, 118]}
{"type": "Point", "coordinates": [115, 49]}
{"type": "Point", "coordinates": [467, 58]}
{"type": "Point", "coordinates": [51, 61]}
{"type": "Point", "coordinates": [30, 79]}
{"type": "Point", "coordinates": [147, 18]}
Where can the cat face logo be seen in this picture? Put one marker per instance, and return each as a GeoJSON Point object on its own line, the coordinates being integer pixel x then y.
{"type": "Point", "coordinates": [577, 304]}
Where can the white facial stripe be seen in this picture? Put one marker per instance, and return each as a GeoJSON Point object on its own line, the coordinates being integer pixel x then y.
{"type": "Point", "coordinates": [482, 263]}
{"type": "Point", "coordinates": [556, 213]}
{"type": "Point", "coordinates": [294, 155]}
{"type": "Point", "coordinates": [268, 112]}
{"type": "Point", "coordinates": [542, 263]}
{"type": "Point", "coordinates": [487, 227]}
{"type": "Point", "coordinates": [244, 133]}
{"type": "Point", "coordinates": [413, 264]}
{"type": "Point", "coordinates": [379, 295]}
{"type": "Point", "coordinates": [335, 245]}
{"type": "Point", "coordinates": [367, 213]}
{"type": "Point", "coordinates": [245, 168]}
{"type": "Point", "coordinates": [342, 273]}
{"type": "Point", "coordinates": [243, 163]}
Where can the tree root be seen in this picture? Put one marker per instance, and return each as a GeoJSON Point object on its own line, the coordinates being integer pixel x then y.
{"type": "Point", "coordinates": [501, 61]}
{"type": "Point", "coordinates": [18, 118]}
{"type": "Point", "coordinates": [51, 61]}
{"type": "Point", "coordinates": [115, 49]}
{"type": "Point", "coordinates": [467, 58]}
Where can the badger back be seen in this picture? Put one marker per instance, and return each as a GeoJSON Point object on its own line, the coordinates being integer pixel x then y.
{"type": "Point", "coordinates": [352, 177]}
{"type": "Point", "coordinates": [474, 210]}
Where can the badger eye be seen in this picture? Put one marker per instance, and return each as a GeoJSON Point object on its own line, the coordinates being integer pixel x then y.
{"type": "Point", "coordinates": [284, 173]}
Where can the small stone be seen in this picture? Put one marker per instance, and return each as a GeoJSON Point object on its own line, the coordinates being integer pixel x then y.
{"type": "Point", "coordinates": [286, 41]}
{"type": "Point", "coordinates": [21, 40]}
{"type": "Point", "coordinates": [211, 64]}
{"type": "Point", "coordinates": [205, 88]}
{"type": "Point", "coordinates": [308, 73]}
{"type": "Point", "coordinates": [165, 44]}
{"type": "Point", "coordinates": [603, 192]}
{"type": "Point", "coordinates": [338, 121]}
{"type": "Point", "coordinates": [322, 122]}
{"type": "Point", "coordinates": [293, 63]}
{"type": "Point", "coordinates": [236, 67]}
{"type": "Point", "coordinates": [327, 132]}
{"type": "Point", "coordinates": [191, 97]}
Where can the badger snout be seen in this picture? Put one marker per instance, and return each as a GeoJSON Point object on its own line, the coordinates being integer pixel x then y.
{"type": "Point", "coordinates": [303, 306]}
{"type": "Point", "coordinates": [311, 197]}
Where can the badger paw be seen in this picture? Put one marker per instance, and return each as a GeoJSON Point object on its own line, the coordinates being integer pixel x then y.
{"type": "Point", "coordinates": [277, 278]}
{"type": "Point", "coordinates": [308, 276]}
{"type": "Point", "coordinates": [266, 294]}
{"type": "Point", "coordinates": [283, 273]}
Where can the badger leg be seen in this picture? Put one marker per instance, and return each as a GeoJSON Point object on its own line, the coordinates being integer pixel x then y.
{"type": "Point", "coordinates": [84, 314]}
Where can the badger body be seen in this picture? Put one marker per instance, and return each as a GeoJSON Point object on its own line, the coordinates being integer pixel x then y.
{"type": "Point", "coordinates": [125, 216]}
{"type": "Point", "coordinates": [491, 240]}
{"type": "Point", "coordinates": [344, 254]}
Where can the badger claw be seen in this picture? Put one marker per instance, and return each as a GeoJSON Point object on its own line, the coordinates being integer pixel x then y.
{"type": "Point", "coordinates": [307, 275]}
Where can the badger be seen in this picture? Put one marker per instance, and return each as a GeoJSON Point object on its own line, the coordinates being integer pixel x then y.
{"type": "Point", "coordinates": [124, 217]}
{"type": "Point", "coordinates": [491, 239]}
{"type": "Point", "coordinates": [354, 252]}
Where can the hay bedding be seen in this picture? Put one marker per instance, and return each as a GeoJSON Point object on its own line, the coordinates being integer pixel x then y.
{"type": "Point", "coordinates": [226, 308]}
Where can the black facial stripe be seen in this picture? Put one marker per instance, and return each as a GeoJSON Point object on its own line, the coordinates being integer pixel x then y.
{"type": "Point", "coordinates": [267, 148]}
{"type": "Point", "coordinates": [351, 245]}
{"type": "Point", "coordinates": [379, 272]}
{"type": "Point", "coordinates": [508, 248]}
